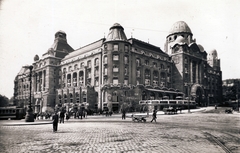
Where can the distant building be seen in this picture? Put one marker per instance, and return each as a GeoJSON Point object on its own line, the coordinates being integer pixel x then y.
{"type": "Point", "coordinates": [114, 70]}
{"type": "Point", "coordinates": [231, 88]}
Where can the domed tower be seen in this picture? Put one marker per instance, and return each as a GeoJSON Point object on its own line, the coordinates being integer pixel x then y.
{"type": "Point", "coordinates": [213, 60]}
{"type": "Point", "coordinates": [116, 66]}
{"type": "Point", "coordinates": [180, 33]}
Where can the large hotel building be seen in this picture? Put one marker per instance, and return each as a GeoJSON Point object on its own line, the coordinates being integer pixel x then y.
{"type": "Point", "coordinates": [115, 69]}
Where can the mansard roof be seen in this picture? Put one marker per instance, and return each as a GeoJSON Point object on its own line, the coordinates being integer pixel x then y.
{"type": "Point", "coordinates": [85, 49]}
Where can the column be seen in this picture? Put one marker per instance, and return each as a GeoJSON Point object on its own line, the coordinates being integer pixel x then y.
{"type": "Point", "coordinates": [190, 71]}
{"type": "Point", "coordinates": [197, 79]}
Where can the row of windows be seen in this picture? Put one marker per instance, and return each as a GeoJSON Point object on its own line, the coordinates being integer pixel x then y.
{"type": "Point", "coordinates": [82, 65]}
{"type": "Point", "coordinates": [116, 47]}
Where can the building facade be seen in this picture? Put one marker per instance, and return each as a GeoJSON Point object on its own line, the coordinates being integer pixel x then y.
{"type": "Point", "coordinates": [116, 70]}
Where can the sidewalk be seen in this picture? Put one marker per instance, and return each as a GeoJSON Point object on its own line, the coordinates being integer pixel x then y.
{"type": "Point", "coordinates": [95, 118]}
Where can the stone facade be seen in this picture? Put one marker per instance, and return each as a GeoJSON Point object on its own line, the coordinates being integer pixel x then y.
{"type": "Point", "coordinates": [115, 70]}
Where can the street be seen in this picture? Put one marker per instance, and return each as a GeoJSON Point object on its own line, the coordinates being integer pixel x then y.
{"type": "Point", "coordinates": [185, 133]}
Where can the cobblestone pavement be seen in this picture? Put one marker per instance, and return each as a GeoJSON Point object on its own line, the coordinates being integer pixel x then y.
{"type": "Point", "coordinates": [183, 133]}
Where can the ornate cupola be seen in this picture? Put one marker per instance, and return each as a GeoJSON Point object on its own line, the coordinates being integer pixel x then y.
{"type": "Point", "coordinates": [179, 34]}
{"type": "Point", "coordinates": [116, 33]}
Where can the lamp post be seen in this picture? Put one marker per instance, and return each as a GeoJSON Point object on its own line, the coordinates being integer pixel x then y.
{"type": "Point", "coordinates": [29, 114]}
{"type": "Point", "coordinates": [189, 94]}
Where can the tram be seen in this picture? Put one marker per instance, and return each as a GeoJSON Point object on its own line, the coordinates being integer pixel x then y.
{"type": "Point", "coordinates": [165, 103]}
{"type": "Point", "coordinates": [12, 112]}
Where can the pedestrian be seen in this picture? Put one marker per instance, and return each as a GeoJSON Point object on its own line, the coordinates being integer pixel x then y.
{"type": "Point", "coordinates": [62, 117]}
{"type": "Point", "coordinates": [85, 114]}
{"type": "Point", "coordinates": [154, 115]}
{"type": "Point", "coordinates": [55, 122]}
{"type": "Point", "coordinates": [123, 114]}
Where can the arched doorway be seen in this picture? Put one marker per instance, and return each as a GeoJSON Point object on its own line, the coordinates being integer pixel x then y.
{"type": "Point", "coordinates": [198, 93]}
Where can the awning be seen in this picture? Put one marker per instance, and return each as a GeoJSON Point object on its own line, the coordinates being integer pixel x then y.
{"type": "Point", "coordinates": [165, 91]}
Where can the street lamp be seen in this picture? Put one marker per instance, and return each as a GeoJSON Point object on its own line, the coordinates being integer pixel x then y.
{"type": "Point", "coordinates": [29, 114]}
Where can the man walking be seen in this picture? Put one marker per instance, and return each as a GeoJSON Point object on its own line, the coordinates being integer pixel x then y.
{"type": "Point", "coordinates": [154, 115]}
{"type": "Point", "coordinates": [55, 122]}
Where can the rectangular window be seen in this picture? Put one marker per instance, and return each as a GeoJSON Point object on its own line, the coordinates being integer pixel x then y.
{"type": "Point", "coordinates": [126, 48]}
{"type": "Point", "coordinates": [105, 80]}
{"type": "Point", "coordinates": [115, 81]}
{"type": "Point", "coordinates": [125, 60]}
{"type": "Point", "coordinates": [126, 81]}
{"type": "Point", "coordinates": [105, 71]}
{"type": "Point", "coordinates": [115, 47]}
{"type": "Point", "coordinates": [105, 59]}
{"type": "Point", "coordinates": [115, 57]}
{"type": "Point", "coordinates": [96, 82]}
{"type": "Point", "coordinates": [115, 69]}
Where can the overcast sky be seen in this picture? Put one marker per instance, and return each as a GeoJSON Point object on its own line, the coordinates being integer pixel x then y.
{"type": "Point", "coordinates": [27, 27]}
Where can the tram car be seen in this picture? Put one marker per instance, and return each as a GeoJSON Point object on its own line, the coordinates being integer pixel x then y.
{"type": "Point", "coordinates": [12, 112]}
{"type": "Point", "coordinates": [166, 103]}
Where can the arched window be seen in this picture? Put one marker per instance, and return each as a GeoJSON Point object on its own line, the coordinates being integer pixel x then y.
{"type": "Point", "coordinates": [74, 79]}
{"type": "Point", "coordinates": [82, 65]}
{"type": "Point", "coordinates": [163, 79]}
{"type": "Point", "coordinates": [138, 62]}
{"type": "Point", "coordinates": [138, 73]}
{"type": "Point", "coordinates": [146, 62]}
{"type": "Point", "coordinates": [69, 80]}
{"type": "Point", "coordinates": [69, 68]}
{"type": "Point", "coordinates": [162, 66]}
{"type": "Point", "coordinates": [96, 63]}
{"type": "Point", "coordinates": [89, 64]}
{"type": "Point", "coordinates": [155, 78]}
{"type": "Point", "coordinates": [81, 78]}
{"type": "Point", "coordinates": [147, 74]}
{"type": "Point", "coordinates": [75, 67]}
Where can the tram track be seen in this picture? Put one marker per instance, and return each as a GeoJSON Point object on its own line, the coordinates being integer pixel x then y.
{"type": "Point", "coordinates": [212, 138]}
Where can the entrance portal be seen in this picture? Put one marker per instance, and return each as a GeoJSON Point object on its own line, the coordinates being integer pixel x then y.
{"type": "Point", "coordinates": [198, 93]}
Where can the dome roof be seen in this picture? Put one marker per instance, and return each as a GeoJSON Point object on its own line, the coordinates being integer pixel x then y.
{"type": "Point", "coordinates": [116, 32]}
{"type": "Point", "coordinates": [179, 27]}
{"type": "Point", "coordinates": [213, 53]}
{"type": "Point", "coordinates": [36, 58]}
{"type": "Point", "coordinates": [201, 48]}
{"type": "Point", "coordinates": [180, 41]}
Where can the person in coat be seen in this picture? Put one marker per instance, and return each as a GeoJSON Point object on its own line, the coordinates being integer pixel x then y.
{"type": "Point", "coordinates": [154, 115]}
{"type": "Point", "coordinates": [62, 117]}
{"type": "Point", "coordinates": [55, 122]}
